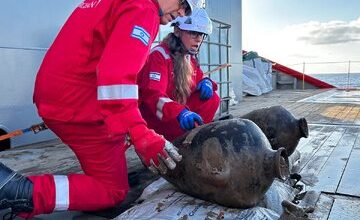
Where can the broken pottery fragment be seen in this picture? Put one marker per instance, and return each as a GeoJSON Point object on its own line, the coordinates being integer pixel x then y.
{"type": "Point", "coordinates": [228, 162]}
{"type": "Point", "coordinates": [280, 127]}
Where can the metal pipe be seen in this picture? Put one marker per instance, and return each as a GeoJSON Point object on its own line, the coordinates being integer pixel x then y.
{"type": "Point", "coordinates": [348, 75]}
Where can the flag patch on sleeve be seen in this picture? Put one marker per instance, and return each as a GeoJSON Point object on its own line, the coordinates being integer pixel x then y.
{"type": "Point", "coordinates": [141, 34]}
{"type": "Point", "coordinates": [155, 76]}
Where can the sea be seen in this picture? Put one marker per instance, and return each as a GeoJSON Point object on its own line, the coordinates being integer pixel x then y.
{"type": "Point", "coordinates": [340, 80]}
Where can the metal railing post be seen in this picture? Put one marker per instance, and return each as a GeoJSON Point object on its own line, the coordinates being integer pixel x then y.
{"type": "Point", "coordinates": [348, 83]}
{"type": "Point", "coordinates": [303, 77]}
{"type": "Point", "coordinates": [343, 82]}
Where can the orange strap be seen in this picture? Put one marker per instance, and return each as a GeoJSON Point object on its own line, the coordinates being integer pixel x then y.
{"type": "Point", "coordinates": [11, 134]}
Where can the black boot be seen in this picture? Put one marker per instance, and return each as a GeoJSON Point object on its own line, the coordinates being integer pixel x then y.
{"type": "Point", "coordinates": [15, 191]}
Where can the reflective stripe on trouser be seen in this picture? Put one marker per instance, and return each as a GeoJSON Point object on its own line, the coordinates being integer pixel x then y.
{"type": "Point", "coordinates": [206, 109]}
{"type": "Point", "coordinates": [103, 161]}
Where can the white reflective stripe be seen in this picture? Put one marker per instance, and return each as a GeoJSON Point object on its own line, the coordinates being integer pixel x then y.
{"type": "Point", "coordinates": [160, 105]}
{"type": "Point", "coordinates": [114, 92]}
{"type": "Point", "coordinates": [159, 114]}
{"type": "Point", "coordinates": [162, 51]}
{"type": "Point", "coordinates": [61, 193]}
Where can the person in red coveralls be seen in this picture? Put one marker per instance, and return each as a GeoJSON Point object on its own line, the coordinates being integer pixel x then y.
{"type": "Point", "coordinates": [175, 95]}
{"type": "Point", "coordinates": [86, 93]}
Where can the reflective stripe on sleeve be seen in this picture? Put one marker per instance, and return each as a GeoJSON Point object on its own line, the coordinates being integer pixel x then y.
{"type": "Point", "coordinates": [116, 92]}
{"type": "Point", "coordinates": [62, 193]}
{"type": "Point", "coordinates": [160, 105]}
{"type": "Point", "coordinates": [162, 51]}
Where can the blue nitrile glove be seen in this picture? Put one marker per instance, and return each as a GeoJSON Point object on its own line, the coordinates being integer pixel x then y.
{"type": "Point", "coordinates": [188, 118]}
{"type": "Point", "coordinates": [206, 88]}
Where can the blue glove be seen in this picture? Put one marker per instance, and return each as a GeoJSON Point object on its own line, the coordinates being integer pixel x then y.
{"type": "Point", "coordinates": [188, 118]}
{"type": "Point", "coordinates": [206, 89]}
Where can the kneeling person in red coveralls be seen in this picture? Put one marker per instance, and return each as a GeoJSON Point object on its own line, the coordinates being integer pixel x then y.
{"type": "Point", "coordinates": [86, 93]}
{"type": "Point", "coordinates": [175, 95]}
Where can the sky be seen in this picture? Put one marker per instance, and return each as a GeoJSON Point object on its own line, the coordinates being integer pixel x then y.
{"type": "Point", "coordinates": [292, 32]}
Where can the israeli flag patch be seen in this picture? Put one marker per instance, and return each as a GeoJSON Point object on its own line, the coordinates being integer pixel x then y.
{"type": "Point", "coordinates": [141, 34]}
{"type": "Point", "coordinates": [155, 76]}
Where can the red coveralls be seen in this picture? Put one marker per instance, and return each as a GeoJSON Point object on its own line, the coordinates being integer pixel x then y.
{"type": "Point", "coordinates": [156, 86]}
{"type": "Point", "coordinates": [86, 93]}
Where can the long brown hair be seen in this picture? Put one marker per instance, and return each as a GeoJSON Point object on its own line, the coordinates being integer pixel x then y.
{"type": "Point", "coordinates": [182, 68]}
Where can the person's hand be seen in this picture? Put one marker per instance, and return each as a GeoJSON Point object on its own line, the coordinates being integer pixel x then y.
{"type": "Point", "coordinates": [206, 89]}
{"type": "Point", "coordinates": [154, 150]}
{"type": "Point", "coordinates": [188, 118]}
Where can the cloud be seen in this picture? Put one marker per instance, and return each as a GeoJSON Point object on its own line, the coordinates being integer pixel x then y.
{"type": "Point", "coordinates": [326, 33]}
{"type": "Point", "coordinates": [308, 42]}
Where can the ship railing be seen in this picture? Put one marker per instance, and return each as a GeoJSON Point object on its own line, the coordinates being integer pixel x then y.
{"type": "Point", "coordinates": [350, 68]}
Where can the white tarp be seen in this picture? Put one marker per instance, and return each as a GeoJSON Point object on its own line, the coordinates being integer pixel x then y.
{"type": "Point", "coordinates": [160, 200]}
{"type": "Point", "coordinates": [257, 78]}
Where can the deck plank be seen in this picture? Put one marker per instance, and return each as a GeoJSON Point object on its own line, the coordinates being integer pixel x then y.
{"type": "Point", "coordinates": [304, 109]}
{"type": "Point", "coordinates": [314, 145]}
{"type": "Point", "coordinates": [341, 117]}
{"type": "Point", "coordinates": [322, 208]}
{"type": "Point", "coordinates": [337, 114]}
{"type": "Point", "coordinates": [315, 117]}
{"type": "Point", "coordinates": [351, 178]}
{"type": "Point", "coordinates": [52, 157]}
{"type": "Point", "coordinates": [314, 130]}
{"type": "Point", "coordinates": [357, 119]}
{"type": "Point", "coordinates": [311, 116]}
{"type": "Point", "coordinates": [353, 114]}
{"type": "Point", "coordinates": [330, 175]}
{"type": "Point", "coordinates": [318, 160]}
{"type": "Point", "coordinates": [345, 209]}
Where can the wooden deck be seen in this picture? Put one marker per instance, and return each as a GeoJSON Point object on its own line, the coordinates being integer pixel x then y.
{"type": "Point", "coordinates": [317, 109]}
{"type": "Point", "coordinates": [330, 153]}
{"type": "Point", "coordinates": [332, 150]}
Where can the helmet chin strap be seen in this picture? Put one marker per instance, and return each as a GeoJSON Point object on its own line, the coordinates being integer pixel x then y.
{"type": "Point", "coordinates": [189, 51]}
{"type": "Point", "coordinates": [195, 52]}
{"type": "Point", "coordinates": [160, 12]}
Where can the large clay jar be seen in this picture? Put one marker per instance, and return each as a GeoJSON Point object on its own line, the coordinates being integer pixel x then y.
{"type": "Point", "coordinates": [280, 127]}
{"type": "Point", "coordinates": [228, 162]}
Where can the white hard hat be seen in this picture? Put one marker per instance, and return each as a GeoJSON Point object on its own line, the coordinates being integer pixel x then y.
{"type": "Point", "coordinates": [195, 4]}
{"type": "Point", "coordinates": [198, 21]}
